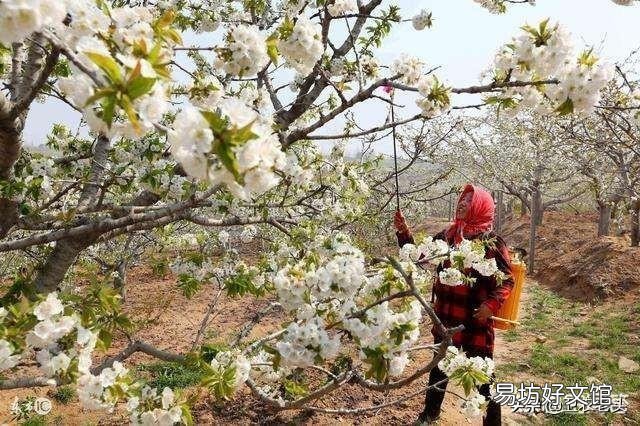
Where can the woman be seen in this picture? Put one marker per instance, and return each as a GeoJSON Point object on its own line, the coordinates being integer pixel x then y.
{"type": "Point", "coordinates": [470, 306]}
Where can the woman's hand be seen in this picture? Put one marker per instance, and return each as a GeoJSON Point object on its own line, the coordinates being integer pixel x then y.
{"type": "Point", "coordinates": [400, 223]}
{"type": "Point", "coordinates": [482, 313]}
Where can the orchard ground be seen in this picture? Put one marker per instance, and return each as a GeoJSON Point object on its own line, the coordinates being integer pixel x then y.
{"type": "Point", "coordinates": [580, 313]}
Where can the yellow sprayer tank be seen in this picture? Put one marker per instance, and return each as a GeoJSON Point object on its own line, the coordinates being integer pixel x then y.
{"type": "Point", "coordinates": [510, 307]}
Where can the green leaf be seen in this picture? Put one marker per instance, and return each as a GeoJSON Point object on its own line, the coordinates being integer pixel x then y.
{"type": "Point", "coordinates": [108, 107]}
{"type": "Point", "coordinates": [378, 364]}
{"type": "Point", "coordinates": [99, 94]}
{"type": "Point", "coordinates": [240, 136]}
{"type": "Point", "coordinates": [286, 28]}
{"type": "Point", "coordinates": [155, 53]}
{"type": "Point", "coordinates": [501, 102]}
{"type": "Point", "coordinates": [108, 65]}
{"type": "Point", "coordinates": [140, 86]}
{"type": "Point", "coordinates": [126, 104]}
{"type": "Point", "coordinates": [565, 108]}
{"type": "Point", "coordinates": [104, 339]}
{"type": "Point", "coordinates": [217, 122]}
{"type": "Point", "coordinates": [189, 285]}
{"type": "Point", "coordinates": [543, 26]}
{"type": "Point", "coordinates": [225, 154]}
{"type": "Point", "coordinates": [467, 384]}
{"type": "Point", "coordinates": [221, 383]}
{"type": "Point", "coordinates": [187, 417]}
{"type": "Point", "coordinates": [166, 19]}
{"type": "Point", "coordinates": [295, 389]}
{"type": "Point", "coordinates": [272, 48]}
{"type": "Point", "coordinates": [587, 58]}
{"type": "Point", "coordinates": [25, 209]}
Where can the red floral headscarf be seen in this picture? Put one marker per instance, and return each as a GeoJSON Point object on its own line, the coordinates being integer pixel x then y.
{"type": "Point", "coordinates": [479, 218]}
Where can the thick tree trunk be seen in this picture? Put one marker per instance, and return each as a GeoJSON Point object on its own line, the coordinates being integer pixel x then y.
{"type": "Point", "coordinates": [26, 79]}
{"type": "Point", "coordinates": [537, 209]}
{"type": "Point", "coordinates": [10, 146]}
{"type": "Point", "coordinates": [535, 221]}
{"type": "Point", "coordinates": [604, 220]}
{"type": "Point", "coordinates": [66, 251]}
{"type": "Point", "coordinates": [523, 208]}
{"type": "Point", "coordinates": [58, 263]}
{"type": "Point", "coordinates": [635, 224]}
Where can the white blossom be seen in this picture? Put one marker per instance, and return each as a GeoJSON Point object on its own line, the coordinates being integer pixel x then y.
{"type": "Point", "coordinates": [247, 51]}
{"type": "Point", "coordinates": [450, 276]}
{"type": "Point", "coordinates": [422, 20]}
{"type": "Point", "coordinates": [409, 67]}
{"type": "Point", "coordinates": [20, 18]}
{"type": "Point", "coordinates": [303, 48]}
{"type": "Point", "coordinates": [7, 357]}
{"type": "Point", "coordinates": [48, 308]}
{"type": "Point", "coordinates": [223, 237]}
{"type": "Point", "coordinates": [472, 407]}
{"type": "Point", "coordinates": [342, 7]}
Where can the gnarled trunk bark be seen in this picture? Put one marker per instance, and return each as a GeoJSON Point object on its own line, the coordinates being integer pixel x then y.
{"type": "Point", "coordinates": [58, 263]}
{"type": "Point", "coordinates": [10, 146]}
{"type": "Point", "coordinates": [66, 251]}
{"type": "Point", "coordinates": [604, 219]}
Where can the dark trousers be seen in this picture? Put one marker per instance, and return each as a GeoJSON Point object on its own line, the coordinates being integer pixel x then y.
{"type": "Point", "coordinates": [434, 397]}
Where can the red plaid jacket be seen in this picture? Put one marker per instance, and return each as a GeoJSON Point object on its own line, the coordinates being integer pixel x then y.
{"type": "Point", "coordinates": [454, 305]}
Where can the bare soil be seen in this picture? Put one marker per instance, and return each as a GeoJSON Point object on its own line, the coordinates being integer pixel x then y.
{"type": "Point", "coordinates": [574, 262]}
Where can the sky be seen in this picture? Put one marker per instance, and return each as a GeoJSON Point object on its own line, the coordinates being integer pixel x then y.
{"type": "Point", "coordinates": [462, 41]}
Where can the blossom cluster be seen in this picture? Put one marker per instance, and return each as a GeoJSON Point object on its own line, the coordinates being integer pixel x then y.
{"type": "Point", "coordinates": [384, 328]}
{"type": "Point", "coordinates": [325, 288]}
{"type": "Point", "coordinates": [435, 100]}
{"type": "Point", "coordinates": [301, 345]}
{"type": "Point", "coordinates": [201, 271]}
{"type": "Point", "coordinates": [457, 365]}
{"type": "Point", "coordinates": [19, 18]}
{"type": "Point", "coordinates": [53, 356]}
{"type": "Point", "coordinates": [636, 97]}
{"type": "Point", "coordinates": [234, 146]}
{"type": "Point", "coordinates": [119, 83]}
{"type": "Point", "coordinates": [432, 250]}
{"type": "Point", "coordinates": [465, 255]}
{"type": "Point", "coordinates": [342, 7]}
{"type": "Point", "coordinates": [64, 347]}
{"type": "Point", "coordinates": [35, 182]}
{"type": "Point", "coordinates": [328, 287]}
{"type": "Point", "coordinates": [151, 408]}
{"type": "Point", "coordinates": [245, 53]}
{"type": "Point", "coordinates": [229, 370]}
{"type": "Point", "coordinates": [409, 68]}
{"type": "Point", "coordinates": [248, 234]}
{"type": "Point", "coordinates": [95, 391]}
{"type": "Point", "coordinates": [543, 54]}
{"type": "Point", "coordinates": [302, 48]}
{"type": "Point", "coordinates": [493, 6]}
{"type": "Point", "coordinates": [421, 20]}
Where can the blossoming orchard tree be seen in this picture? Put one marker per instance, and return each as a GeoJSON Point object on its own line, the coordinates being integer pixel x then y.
{"type": "Point", "coordinates": [183, 142]}
{"type": "Point", "coordinates": [609, 156]}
